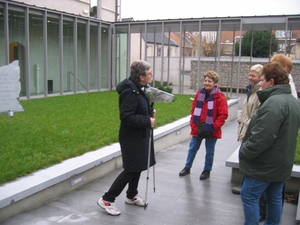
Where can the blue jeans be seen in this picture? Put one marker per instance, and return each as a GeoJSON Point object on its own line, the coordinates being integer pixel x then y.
{"type": "Point", "coordinates": [195, 143]}
{"type": "Point", "coordinates": [252, 190]}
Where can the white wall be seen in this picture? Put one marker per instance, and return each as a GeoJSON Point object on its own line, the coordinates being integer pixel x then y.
{"type": "Point", "coordinates": [174, 69]}
{"type": "Point", "coordinates": [77, 7]}
{"type": "Point", "coordinates": [135, 49]}
{"type": "Point", "coordinates": [108, 10]}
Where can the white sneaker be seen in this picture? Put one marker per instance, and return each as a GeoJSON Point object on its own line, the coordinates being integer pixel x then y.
{"type": "Point", "coordinates": [109, 207]}
{"type": "Point", "coordinates": [137, 200]}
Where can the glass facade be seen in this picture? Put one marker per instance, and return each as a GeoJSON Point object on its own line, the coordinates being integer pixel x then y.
{"type": "Point", "coordinates": [57, 53]}
{"type": "Point", "coordinates": [173, 47]}
{"type": "Point", "coordinates": [60, 53]}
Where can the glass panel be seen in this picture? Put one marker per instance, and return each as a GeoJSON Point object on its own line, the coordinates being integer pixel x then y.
{"type": "Point", "coordinates": [293, 45]}
{"type": "Point", "coordinates": [163, 53]}
{"type": "Point", "coordinates": [81, 57]}
{"type": "Point", "coordinates": [17, 44]}
{"type": "Point", "coordinates": [121, 56]}
{"type": "Point", "coordinates": [227, 73]}
{"type": "Point", "coordinates": [296, 44]}
{"type": "Point", "coordinates": [293, 38]}
{"type": "Point", "coordinates": [68, 61]}
{"type": "Point", "coordinates": [53, 81]}
{"type": "Point", "coordinates": [2, 40]}
{"type": "Point", "coordinates": [36, 55]}
{"type": "Point", "coordinates": [104, 58]}
{"type": "Point", "coordinates": [94, 58]}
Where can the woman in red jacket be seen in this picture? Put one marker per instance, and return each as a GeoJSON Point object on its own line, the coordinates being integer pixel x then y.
{"type": "Point", "coordinates": [209, 105]}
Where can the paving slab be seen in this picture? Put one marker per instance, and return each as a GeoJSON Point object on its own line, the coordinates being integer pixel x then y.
{"type": "Point", "coordinates": [177, 200]}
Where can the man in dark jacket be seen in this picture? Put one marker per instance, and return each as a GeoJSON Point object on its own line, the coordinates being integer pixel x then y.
{"type": "Point", "coordinates": [268, 149]}
{"type": "Point", "coordinates": [137, 118]}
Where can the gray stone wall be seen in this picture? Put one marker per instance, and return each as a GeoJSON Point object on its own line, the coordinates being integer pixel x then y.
{"type": "Point", "coordinates": [228, 73]}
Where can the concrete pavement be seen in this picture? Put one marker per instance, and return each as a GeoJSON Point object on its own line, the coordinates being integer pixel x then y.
{"type": "Point", "coordinates": [177, 200]}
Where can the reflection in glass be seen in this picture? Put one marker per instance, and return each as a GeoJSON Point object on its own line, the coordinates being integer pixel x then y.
{"type": "Point", "coordinates": [2, 40]}
{"type": "Point", "coordinates": [81, 57]}
{"type": "Point", "coordinates": [68, 56]}
{"type": "Point", "coordinates": [53, 79]}
{"type": "Point", "coordinates": [104, 58]}
{"type": "Point", "coordinates": [93, 58]}
{"type": "Point", "coordinates": [121, 56]}
{"type": "Point", "coordinates": [17, 44]}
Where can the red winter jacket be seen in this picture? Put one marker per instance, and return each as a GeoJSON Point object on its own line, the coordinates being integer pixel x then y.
{"type": "Point", "coordinates": [220, 114]}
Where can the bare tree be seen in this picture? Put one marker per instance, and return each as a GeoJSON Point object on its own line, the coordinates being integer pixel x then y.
{"type": "Point", "coordinates": [209, 44]}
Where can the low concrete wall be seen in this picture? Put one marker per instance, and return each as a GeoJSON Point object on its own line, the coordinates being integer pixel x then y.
{"type": "Point", "coordinates": [45, 185]}
{"type": "Point", "coordinates": [292, 185]}
{"type": "Point", "coordinates": [233, 107]}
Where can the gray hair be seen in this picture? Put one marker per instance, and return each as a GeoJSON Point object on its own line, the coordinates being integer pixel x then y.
{"type": "Point", "coordinates": [138, 68]}
{"type": "Point", "coordinates": [258, 68]}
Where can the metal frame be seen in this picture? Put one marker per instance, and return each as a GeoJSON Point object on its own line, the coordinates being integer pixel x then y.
{"type": "Point", "coordinates": [45, 40]}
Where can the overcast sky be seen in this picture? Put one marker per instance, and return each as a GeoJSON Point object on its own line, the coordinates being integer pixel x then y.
{"type": "Point", "coordinates": [172, 9]}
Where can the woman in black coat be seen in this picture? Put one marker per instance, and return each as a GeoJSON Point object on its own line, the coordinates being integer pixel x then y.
{"type": "Point", "coordinates": [137, 118]}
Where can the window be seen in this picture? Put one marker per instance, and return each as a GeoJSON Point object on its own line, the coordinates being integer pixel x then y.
{"type": "Point", "coordinates": [158, 51]}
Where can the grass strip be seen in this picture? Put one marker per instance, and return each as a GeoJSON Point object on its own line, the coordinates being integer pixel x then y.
{"type": "Point", "coordinates": [54, 129]}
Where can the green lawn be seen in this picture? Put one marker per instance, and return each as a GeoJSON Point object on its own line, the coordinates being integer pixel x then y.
{"type": "Point", "coordinates": [53, 129]}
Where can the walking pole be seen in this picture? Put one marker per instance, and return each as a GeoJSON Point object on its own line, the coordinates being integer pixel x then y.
{"type": "Point", "coordinates": [152, 105]}
{"type": "Point", "coordinates": [148, 165]}
{"type": "Point", "coordinates": [153, 178]}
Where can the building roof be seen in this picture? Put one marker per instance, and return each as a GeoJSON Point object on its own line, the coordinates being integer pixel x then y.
{"type": "Point", "coordinates": [158, 39]}
{"type": "Point", "coordinates": [188, 39]}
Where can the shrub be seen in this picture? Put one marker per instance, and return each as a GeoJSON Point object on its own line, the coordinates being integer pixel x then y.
{"type": "Point", "coordinates": [163, 86]}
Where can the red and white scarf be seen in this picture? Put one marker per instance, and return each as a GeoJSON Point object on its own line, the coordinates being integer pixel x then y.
{"type": "Point", "coordinates": [199, 105]}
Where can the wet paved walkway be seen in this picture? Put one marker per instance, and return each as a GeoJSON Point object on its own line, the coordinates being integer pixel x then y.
{"type": "Point", "coordinates": [177, 200]}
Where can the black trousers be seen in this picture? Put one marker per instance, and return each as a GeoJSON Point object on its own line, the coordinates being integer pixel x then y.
{"type": "Point", "coordinates": [124, 178]}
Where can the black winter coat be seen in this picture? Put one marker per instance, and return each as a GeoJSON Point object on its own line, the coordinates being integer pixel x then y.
{"type": "Point", "coordinates": [134, 132]}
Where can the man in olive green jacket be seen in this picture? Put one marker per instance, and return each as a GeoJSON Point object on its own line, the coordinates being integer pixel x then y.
{"type": "Point", "coordinates": [268, 149]}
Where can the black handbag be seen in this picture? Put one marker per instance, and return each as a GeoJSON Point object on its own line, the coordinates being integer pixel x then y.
{"type": "Point", "coordinates": [202, 133]}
